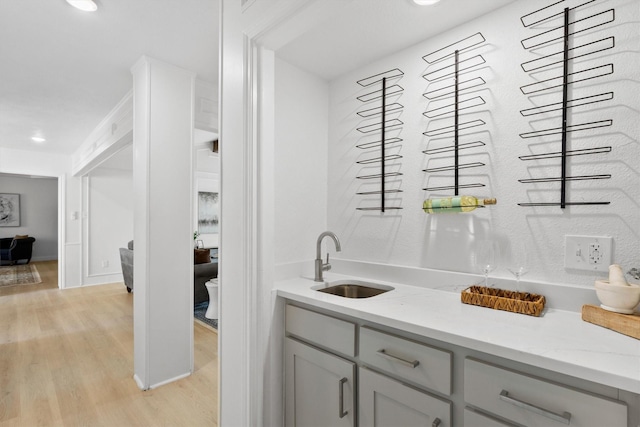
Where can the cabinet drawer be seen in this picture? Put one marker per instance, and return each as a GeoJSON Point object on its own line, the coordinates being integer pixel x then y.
{"type": "Point", "coordinates": [535, 402]}
{"type": "Point", "coordinates": [325, 331]}
{"type": "Point", "coordinates": [474, 418]}
{"type": "Point", "coordinates": [416, 362]}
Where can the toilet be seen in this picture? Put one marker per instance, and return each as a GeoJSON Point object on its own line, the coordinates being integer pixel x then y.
{"type": "Point", "coordinates": [212, 288]}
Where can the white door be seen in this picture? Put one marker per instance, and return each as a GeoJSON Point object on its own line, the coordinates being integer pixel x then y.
{"type": "Point", "coordinates": [385, 402]}
{"type": "Point", "coordinates": [319, 387]}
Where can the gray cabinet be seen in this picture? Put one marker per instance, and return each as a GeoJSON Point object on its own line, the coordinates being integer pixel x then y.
{"type": "Point", "coordinates": [473, 418]}
{"type": "Point", "coordinates": [533, 402]}
{"type": "Point", "coordinates": [321, 359]}
{"type": "Point", "coordinates": [384, 402]}
{"type": "Point", "coordinates": [341, 372]}
{"type": "Point", "coordinates": [319, 387]}
{"type": "Point", "coordinates": [427, 367]}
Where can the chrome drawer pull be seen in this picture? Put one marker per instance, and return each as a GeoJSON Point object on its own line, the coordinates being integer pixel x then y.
{"type": "Point", "coordinates": [341, 411]}
{"type": "Point", "coordinates": [411, 364]}
{"type": "Point", "coordinates": [564, 418]}
{"type": "Point", "coordinates": [436, 423]}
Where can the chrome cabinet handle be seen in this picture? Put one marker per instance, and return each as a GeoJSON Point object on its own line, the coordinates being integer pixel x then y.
{"type": "Point", "coordinates": [435, 422]}
{"type": "Point", "coordinates": [564, 418]}
{"type": "Point", "coordinates": [341, 411]}
{"type": "Point", "coordinates": [411, 364]}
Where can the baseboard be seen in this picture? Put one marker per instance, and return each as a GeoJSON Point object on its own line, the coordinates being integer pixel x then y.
{"type": "Point", "coordinates": [142, 386]}
{"type": "Point", "coordinates": [44, 258]}
{"type": "Point", "coordinates": [103, 279]}
{"type": "Point", "coordinates": [139, 382]}
{"type": "Point", "coordinates": [170, 380]}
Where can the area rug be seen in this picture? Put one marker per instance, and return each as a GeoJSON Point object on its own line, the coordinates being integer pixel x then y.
{"type": "Point", "coordinates": [24, 274]}
{"type": "Point", "coordinates": [199, 311]}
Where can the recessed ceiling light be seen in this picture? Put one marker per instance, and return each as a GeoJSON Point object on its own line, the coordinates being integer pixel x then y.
{"type": "Point", "coordinates": [38, 139]}
{"type": "Point", "coordinates": [420, 2]}
{"type": "Point", "coordinates": [84, 5]}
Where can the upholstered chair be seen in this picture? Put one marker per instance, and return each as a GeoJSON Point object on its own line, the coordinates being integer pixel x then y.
{"type": "Point", "coordinates": [15, 249]}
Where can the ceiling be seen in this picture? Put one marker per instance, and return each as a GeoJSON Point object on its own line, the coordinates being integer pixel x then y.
{"type": "Point", "coordinates": [363, 31]}
{"type": "Point", "coordinates": [63, 70]}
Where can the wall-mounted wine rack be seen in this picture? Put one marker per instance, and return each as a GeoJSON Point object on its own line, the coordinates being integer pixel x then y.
{"type": "Point", "coordinates": [452, 87]}
{"type": "Point", "coordinates": [384, 87]}
{"type": "Point", "coordinates": [565, 58]}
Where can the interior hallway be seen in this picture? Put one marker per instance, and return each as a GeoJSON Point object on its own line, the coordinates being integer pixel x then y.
{"type": "Point", "coordinates": [66, 358]}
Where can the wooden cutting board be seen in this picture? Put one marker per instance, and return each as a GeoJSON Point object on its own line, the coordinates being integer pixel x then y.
{"type": "Point", "coordinates": [627, 324]}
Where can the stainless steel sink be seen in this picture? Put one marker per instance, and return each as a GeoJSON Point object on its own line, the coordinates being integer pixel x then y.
{"type": "Point", "coordinates": [353, 289]}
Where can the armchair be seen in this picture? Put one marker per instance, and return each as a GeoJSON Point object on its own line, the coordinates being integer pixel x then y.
{"type": "Point", "coordinates": [202, 273]}
{"type": "Point", "coordinates": [14, 249]}
{"type": "Point", "coordinates": [126, 261]}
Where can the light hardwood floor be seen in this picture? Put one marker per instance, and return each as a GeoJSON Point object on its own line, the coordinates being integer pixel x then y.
{"type": "Point", "coordinates": [66, 359]}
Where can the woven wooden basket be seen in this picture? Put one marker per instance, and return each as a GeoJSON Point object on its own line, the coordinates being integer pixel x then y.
{"type": "Point", "coordinates": [500, 299]}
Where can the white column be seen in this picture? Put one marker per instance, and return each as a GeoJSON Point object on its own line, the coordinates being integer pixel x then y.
{"type": "Point", "coordinates": [163, 229]}
{"type": "Point", "coordinates": [236, 258]}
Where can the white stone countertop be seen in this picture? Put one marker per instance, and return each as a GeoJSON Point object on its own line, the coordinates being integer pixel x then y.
{"type": "Point", "coordinates": [558, 340]}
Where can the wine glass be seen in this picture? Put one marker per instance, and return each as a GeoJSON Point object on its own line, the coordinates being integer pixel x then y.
{"type": "Point", "coordinates": [486, 257]}
{"type": "Point", "coordinates": [519, 262]}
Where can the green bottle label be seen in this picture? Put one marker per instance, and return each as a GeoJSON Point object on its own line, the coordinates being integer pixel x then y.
{"type": "Point", "coordinates": [450, 204]}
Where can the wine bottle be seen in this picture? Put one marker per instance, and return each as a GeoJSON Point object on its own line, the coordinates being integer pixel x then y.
{"type": "Point", "coordinates": [455, 204]}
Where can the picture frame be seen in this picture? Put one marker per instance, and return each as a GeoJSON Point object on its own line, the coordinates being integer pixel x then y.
{"type": "Point", "coordinates": [9, 210]}
{"type": "Point", "coordinates": [206, 182]}
{"type": "Point", "coordinates": [199, 244]}
{"type": "Point", "coordinates": [208, 212]}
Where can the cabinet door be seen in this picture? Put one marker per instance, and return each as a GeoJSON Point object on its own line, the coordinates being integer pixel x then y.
{"type": "Point", "coordinates": [386, 402]}
{"type": "Point", "coordinates": [319, 387]}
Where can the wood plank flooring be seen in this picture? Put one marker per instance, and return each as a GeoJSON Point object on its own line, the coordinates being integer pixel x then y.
{"type": "Point", "coordinates": [66, 359]}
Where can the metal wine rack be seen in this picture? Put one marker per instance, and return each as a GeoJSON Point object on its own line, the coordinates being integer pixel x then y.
{"type": "Point", "coordinates": [564, 58]}
{"type": "Point", "coordinates": [381, 116]}
{"type": "Point", "coordinates": [453, 85]}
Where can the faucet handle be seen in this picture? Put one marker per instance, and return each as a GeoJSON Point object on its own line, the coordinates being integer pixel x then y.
{"type": "Point", "coordinates": [326, 266]}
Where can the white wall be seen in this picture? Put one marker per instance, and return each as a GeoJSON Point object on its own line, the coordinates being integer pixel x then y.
{"type": "Point", "coordinates": [38, 213]}
{"type": "Point", "coordinates": [109, 222]}
{"type": "Point", "coordinates": [300, 181]}
{"type": "Point", "coordinates": [70, 196]}
{"type": "Point", "coordinates": [410, 237]}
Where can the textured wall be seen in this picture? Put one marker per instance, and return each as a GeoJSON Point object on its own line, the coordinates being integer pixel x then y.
{"type": "Point", "coordinates": [410, 237]}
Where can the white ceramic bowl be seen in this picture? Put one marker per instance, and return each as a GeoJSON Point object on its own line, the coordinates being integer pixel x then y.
{"type": "Point", "coordinates": [618, 298]}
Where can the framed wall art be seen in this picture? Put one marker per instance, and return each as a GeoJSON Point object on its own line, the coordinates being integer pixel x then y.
{"type": "Point", "coordinates": [206, 208]}
{"type": "Point", "coordinates": [208, 212]}
{"type": "Point", "coordinates": [9, 210]}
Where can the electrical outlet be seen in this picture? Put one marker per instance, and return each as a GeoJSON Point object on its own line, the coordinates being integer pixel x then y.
{"type": "Point", "coordinates": [595, 254]}
{"type": "Point", "coordinates": [588, 252]}
{"type": "Point", "coordinates": [105, 264]}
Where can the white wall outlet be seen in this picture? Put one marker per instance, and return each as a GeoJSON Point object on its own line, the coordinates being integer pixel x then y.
{"type": "Point", "coordinates": [588, 252]}
{"type": "Point", "coordinates": [105, 264]}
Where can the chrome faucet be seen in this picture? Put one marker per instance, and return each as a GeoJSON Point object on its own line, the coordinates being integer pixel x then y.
{"type": "Point", "coordinates": [320, 266]}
